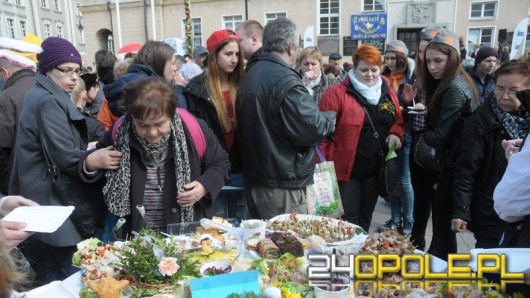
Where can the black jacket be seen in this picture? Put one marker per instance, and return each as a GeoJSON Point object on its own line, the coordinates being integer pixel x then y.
{"type": "Point", "coordinates": [480, 166]}
{"type": "Point", "coordinates": [446, 121]}
{"type": "Point", "coordinates": [253, 59]}
{"type": "Point", "coordinates": [200, 105]}
{"type": "Point", "coordinates": [279, 124]}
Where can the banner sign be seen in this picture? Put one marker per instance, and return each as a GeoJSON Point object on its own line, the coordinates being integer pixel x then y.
{"type": "Point", "coordinates": [368, 26]}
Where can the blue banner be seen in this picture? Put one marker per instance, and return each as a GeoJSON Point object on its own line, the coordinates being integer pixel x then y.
{"type": "Point", "coordinates": [368, 26]}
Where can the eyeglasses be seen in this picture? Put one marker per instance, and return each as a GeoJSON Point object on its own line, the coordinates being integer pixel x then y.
{"type": "Point", "coordinates": [69, 72]}
{"type": "Point", "coordinates": [502, 91]}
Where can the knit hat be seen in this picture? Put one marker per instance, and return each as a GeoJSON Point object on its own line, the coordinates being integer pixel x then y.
{"type": "Point", "coordinates": [429, 33]}
{"type": "Point", "coordinates": [397, 46]}
{"type": "Point", "coordinates": [199, 50]}
{"type": "Point", "coordinates": [335, 56]}
{"type": "Point", "coordinates": [448, 38]}
{"type": "Point", "coordinates": [56, 51]}
{"type": "Point", "coordinates": [90, 80]}
{"type": "Point", "coordinates": [485, 52]}
{"type": "Point", "coordinates": [219, 36]}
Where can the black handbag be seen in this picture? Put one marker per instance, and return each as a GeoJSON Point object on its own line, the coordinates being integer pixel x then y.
{"type": "Point", "coordinates": [425, 156]}
{"type": "Point", "coordinates": [87, 198]}
{"type": "Point", "coordinates": [389, 173]}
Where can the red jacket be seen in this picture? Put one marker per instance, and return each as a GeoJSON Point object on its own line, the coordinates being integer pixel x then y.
{"type": "Point", "coordinates": [350, 120]}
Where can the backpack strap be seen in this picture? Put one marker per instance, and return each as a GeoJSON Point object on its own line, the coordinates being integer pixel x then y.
{"type": "Point", "coordinates": [195, 130]}
{"type": "Point", "coordinates": [191, 123]}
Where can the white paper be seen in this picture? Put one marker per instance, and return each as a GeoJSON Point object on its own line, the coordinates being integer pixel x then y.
{"type": "Point", "coordinates": [517, 258]}
{"type": "Point", "coordinates": [42, 219]}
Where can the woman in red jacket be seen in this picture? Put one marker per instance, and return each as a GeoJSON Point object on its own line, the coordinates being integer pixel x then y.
{"type": "Point", "coordinates": [354, 150]}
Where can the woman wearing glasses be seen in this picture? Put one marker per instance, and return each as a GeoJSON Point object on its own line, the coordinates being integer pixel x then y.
{"type": "Point", "coordinates": [48, 113]}
{"type": "Point", "coordinates": [482, 164]}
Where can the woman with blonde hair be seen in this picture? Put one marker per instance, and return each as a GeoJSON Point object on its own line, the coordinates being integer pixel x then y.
{"type": "Point", "coordinates": [85, 90]}
{"type": "Point", "coordinates": [362, 99]}
{"type": "Point", "coordinates": [211, 96]}
{"type": "Point", "coordinates": [312, 74]}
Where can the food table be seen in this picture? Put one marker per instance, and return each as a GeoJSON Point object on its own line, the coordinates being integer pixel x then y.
{"type": "Point", "coordinates": [337, 237]}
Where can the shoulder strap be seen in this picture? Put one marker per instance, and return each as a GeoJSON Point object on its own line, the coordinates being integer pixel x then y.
{"type": "Point", "coordinates": [376, 134]}
{"type": "Point", "coordinates": [191, 123]}
{"type": "Point", "coordinates": [48, 154]}
{"type": "Point", "coordinates": [195, 130]}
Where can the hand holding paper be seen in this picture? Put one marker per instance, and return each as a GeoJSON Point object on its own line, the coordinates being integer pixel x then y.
{"type": "Point", "coordinates": [43, 219]}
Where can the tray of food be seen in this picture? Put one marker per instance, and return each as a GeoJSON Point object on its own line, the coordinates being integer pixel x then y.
{"type": "Point", "coordinates": [334, 231]}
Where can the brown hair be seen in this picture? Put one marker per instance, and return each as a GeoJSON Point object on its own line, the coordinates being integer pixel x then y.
{"type": "Point", "coordinates": [10, 275]}
{"type": "Point", "coordinates": [151, 95]}
{"type": "Point", "coordinates": [155, 54]}
{"type": "Point", "coordinates": [432, 87]}
{"type": "Point", "coordinates": [213, 83]}
{"type": "Point", "coordinates": [311, 52]}
{"type": "Point", "coordinates": [367, 53]}
{"type": "Point", "coordinates": [518, 66]}
{"type": "Point", "coordinates": [332, 69]}
{"type": "Point", "coordinates": [401, 62]}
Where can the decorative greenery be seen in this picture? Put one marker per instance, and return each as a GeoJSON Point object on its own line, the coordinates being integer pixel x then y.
{"type": "Point", "coordinates": [189, 40]}
{"type": "Point", "coordinates": [327, 209]}
{"type": "Point", "coordinates": [243, 295]}
{"type": "Point", "coordinates": [389, 107]}
{"type": "Point", "coordinates": [150, 259]}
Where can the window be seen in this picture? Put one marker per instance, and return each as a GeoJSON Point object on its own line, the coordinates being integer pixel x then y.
{"type": "Point", "coordinates": [44, 4]}
{"type": "Point", "coordinates": [81, 35]}
{"type": "Point", "coordinates": [23, 28]}
{"type": "Point", "coordinates": [19, 2]}
{"type": "Point", "coordinates": [484, 10]}
{"type": "Point", "coordinates": [230, 22]}
{"type": "Point", "coordinates": [1, 26]}
{"type": "Point", "coordinates": [56, 5]}
{"type": "Point", "coordinates": [479, 36]}
{"type": "Point", "coordinates": [274, 15]}
{"type": "Point", "coordinates": [8, 1]}
{"type": "Point", "coordinates": [47, 30]}
{"type": "Point", "coordinates": [77, 9]}
{"type": "Point", "coordinates": [110, 43]}
{"type": "Point", "coordinates": [329, 17]}
{"type": "Point", "coordinates": [11, 28]}
{"type": "Point", "coordinates": [373, 5]}
{"type": "Point", "coordinates": [59, 30]}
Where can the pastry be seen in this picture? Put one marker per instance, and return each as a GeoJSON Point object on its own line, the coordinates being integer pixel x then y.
{"type": "Point", "coordinates": [108, 287]}
{"type": "Point", "coordinates": [267, 249]}
{"type": "Point", "coordinates": [287, 243]}
{"type": "Point", "coordinates": [252, 244]}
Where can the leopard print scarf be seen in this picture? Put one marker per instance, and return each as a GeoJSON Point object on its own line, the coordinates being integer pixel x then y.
{"type": "Point", "coordinates": [117, 189]}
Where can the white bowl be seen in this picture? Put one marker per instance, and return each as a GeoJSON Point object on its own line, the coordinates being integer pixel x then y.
{"type": "Point", "coordinates": [224, 267]}
{"type": "Point", "coordinates": [335, 290]}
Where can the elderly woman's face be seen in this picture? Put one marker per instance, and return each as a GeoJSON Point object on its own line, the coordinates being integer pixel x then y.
{"type": "Point", "coordinates": [65, 75]}
{"type": "Point", "coordinates": [367, 73]}
{"type": "Point", "coordinates": [310, 64]}
{"type": "Point", "coordinates": [153, 127]}
{"type": "Point", "coordinates": [506, 87]}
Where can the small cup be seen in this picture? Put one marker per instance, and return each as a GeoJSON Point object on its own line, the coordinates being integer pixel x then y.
{"type": "Point", "coordinates": [253, 228]}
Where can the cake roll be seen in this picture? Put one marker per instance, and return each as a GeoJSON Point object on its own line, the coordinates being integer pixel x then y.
{"type": "Point", "coordinates": [268, 250]}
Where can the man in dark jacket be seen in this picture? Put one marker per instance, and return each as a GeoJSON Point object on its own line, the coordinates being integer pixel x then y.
{"type": "Point", "coordinates": [280, 124]}
{"type": "Point", "coordinates": [19, 78]}
{"type": "Point", "coordinates": [483, 71]}
{"type": "Point", "coordinates": [250, 34]}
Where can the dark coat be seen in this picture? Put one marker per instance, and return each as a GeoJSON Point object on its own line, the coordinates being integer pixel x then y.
{"type": "Point", "coordinates": [66, 130]}
{"type": "Point", "coordinates": [253, 59]}
{"type": "Point", "coordinates": [446, 121]}
{"type": "Point", "coordinates": [114, 91]}
{"type": "Point", "coordinates": [480, 166]}
{"type": "Point", "coordinates": [200, 105]}
{"type": "Point", "coordinates": [484, 89]}
{"type": "Point", "coordinates": [211, 171]}
{"type": "Point", "coordinates": [279, 125]}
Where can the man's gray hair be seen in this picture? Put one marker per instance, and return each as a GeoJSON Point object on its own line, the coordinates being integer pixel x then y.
{"type": "Point", "coordinates": [278, 35]}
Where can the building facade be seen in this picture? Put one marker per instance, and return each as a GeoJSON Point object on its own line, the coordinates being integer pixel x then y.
{"type": "Point", "coordinates": [43, 18]}
{"type": "Point", "coordinates": [330, 24]}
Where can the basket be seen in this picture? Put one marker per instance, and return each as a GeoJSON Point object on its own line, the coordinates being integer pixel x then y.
{"type": "Point", "coordinates": [167, 288]}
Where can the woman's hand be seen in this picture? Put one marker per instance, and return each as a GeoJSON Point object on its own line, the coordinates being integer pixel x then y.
{"type": "Point", "coordinates": [194, 191]}
{"type": "Point", "coordinates": [12, 202]}
{"type": "Point", "coordinates": [310, 75]}
{"type": "Point", "coordinates": [390, 139]}
{"type": "Point", "coordinates": [103, 159]}
{"type": "Point", "coordinates": [12, 234]}
{"type": "Point", "coordinates": [458, 225]}
{"type": "Point", "coordinates": [408, 94]}
{"type": "Point", "coordinates": [511, 147]}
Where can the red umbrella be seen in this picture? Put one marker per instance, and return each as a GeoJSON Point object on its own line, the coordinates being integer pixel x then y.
{"type": "Point", "coordinates": [130, 48]}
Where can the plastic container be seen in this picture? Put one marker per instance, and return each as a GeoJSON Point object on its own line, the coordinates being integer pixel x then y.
{"type": "Point", "coordinates": [253, 228]}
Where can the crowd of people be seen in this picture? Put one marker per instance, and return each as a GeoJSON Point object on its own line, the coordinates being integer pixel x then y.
{"type": "Point", "coordinates": [160, 138]}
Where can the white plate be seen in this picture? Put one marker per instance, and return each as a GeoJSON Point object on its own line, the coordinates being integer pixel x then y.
{"type": "Point", "coordinates": [356, 239]}
{"type": "Point", "coordinates": [516, 258]}
{"type": "Point", "coordinates": [42, 219]}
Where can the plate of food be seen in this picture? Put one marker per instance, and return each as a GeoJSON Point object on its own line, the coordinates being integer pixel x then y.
{"type": "Point", "coordinates": [334, 231]}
